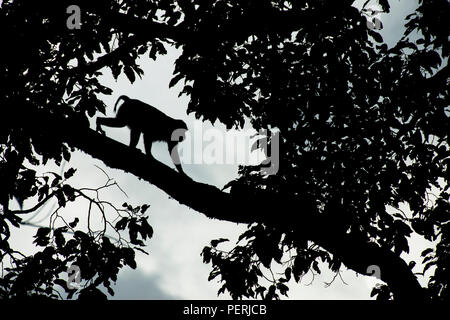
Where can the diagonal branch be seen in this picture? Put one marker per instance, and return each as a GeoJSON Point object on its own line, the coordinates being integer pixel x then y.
{"type": "Point", "coordinates": [298, 215]}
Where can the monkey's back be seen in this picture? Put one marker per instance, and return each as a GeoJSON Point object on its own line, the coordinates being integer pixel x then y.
{"type": "Point", "coordinates": [146, 119]}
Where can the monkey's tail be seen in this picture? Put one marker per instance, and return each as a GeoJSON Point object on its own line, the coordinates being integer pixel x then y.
{"type": "Point", "coordinates": [122, 97]}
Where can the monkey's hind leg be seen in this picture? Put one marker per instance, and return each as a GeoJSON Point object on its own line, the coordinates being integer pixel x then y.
{"type": "Point", "coordinates": [148, 145]}
{"type": "Point", "coordinates": [134, 138]}
{"type": "Point", "coordinates": [109, 122]}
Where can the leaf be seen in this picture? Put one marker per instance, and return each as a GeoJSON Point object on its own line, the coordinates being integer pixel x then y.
{"type": "Point", "coordinates": [69, 173]}
{"type": "Point", "coordinates": [116, 70]}
{"type": "Point", "coordinates": [288, 273]}
{"type": "Point", "coordinates": [141, 250]}
{"type": "Point", "coordinates": [401, 245]}
{"type": "Point", "coordinates": [104, 90]}
{"type": "Point", "coordinates": [221, 290]}
{"type": "Point", "coordinates": [74, 223]}
{"type": "Point", "coordinates": [61, 198]}
{"type": "Point", "coordinates": [402, 227]}
{"type": "Point", "coordinates": [271, 293]}
{"type": "Point", "coordinates": [142, 50]}
{"type": "Point", "coordinates": [247, 234]}
{"type": "Point", "coordinates": [59, 237]}
{"type": "Point", "coordinates": [128, 257]}
{"type": "Point", "coordinates": [214, 243]}
{"type": "Point", "coordinates": [175, 80]}
{"type": "Point", "coordinates": [14, 219]}
{"type": "Point", "coordinates": [110, 291]}
{"type": "Point", "coordinates": [121, 224]}
{"type": "Point", "coordinates": [206, 253]}
{"type": "Point", "coordinates": [70, 84]}
{"type": "Point", "coordinates": [420, 41]}
{"type": "Point", "coordinates": [81, 235]}
{"type": "Point", "coordinates": [42, 237]}
{"type": "Point", "coordinates": [260, 291]}
{"type": "Point", "coordinates": [316, 267]}
{"type": "Point", "coordinates": [133, 230]}
{"type": "Point", "coordinates": [69, 192]}
{"type": "Point", "coordinates": [426, 252]}
{"type": "Point", "coordinates": [56, 180]}
{"type": "Point", "coordinates": [153, 52]}
{"type": "Point", "coordinates": [283, 289]}
{"type": "Point", "coordinates": [161, 48]}
{"type": "Point", "coordinates": [212, 275]}
{"type": "Point", "coordinates": [43, 192]}
{"type": "Point", "coordinates": [376, 36]}
{"type": "Point", "coordinates": [146, 230]}
{"type": "Point", "coordinates": [42, 232]}
{"type": "Point", "coordinates": [385, 5]}
{"type": "Point", "coordinates": [374, 292]}
{"type": "Point", "coordinates": [129, 73]}
{"type": "Point", "coordinates": [144, 208]}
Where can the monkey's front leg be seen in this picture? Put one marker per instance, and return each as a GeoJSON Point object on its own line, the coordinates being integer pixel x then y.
{"type": "Point", "coordinates": [175, 156]}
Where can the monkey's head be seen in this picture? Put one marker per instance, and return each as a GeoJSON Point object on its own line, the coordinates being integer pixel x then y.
{"type": "Point", "coordinates": [181, 124]}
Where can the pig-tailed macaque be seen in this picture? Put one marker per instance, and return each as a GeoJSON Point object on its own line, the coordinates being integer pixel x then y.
{"type": "Point", "coordinates": [154, 125]}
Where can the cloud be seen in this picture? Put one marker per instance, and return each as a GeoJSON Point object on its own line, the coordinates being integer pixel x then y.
{"type": "Point", "coordinates": [137, 285]}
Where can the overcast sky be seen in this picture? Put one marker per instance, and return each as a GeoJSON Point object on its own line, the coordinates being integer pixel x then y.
{"type": "Point", "coordinates": [174, 268]}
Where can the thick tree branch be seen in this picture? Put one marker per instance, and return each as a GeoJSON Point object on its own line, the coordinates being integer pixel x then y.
{"type": "Point", "coordinates": [288, 214]}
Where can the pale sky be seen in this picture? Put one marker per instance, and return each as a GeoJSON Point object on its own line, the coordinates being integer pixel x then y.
{"type": "Point", "coordinates": [174, 268]}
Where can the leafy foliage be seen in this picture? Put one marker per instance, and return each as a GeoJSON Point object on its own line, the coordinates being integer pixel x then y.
{"type": "Point", "coordinates": [363, 126]}
{"type": "Point", "coordinates": [247, 265]}
{"type": "Point", "coordinates": [99, 258]}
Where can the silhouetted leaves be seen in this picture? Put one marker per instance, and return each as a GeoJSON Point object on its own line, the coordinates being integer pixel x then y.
{"type": "Point", "coordinates": [42, 237]}
{"type": "Point", "coordinates": [122, 223]}
{"type": "Point", "coordinates": [129, 73]}
{"type": "Point", "coordinates": [363, 127]}
{"type": "Point", "coordinates": [377, 37]}
{"type": "Point", "coordinates": [98, 260]}
{"type": "Point", "coordinates": [242, 268]}
{"type": "Point", "coordinates": [138, 227]}
{"type": "Point", "coordinates": [74, 223]}
{"type": "Point", "coordinates": [128, 256]}
{"type": "Point", "coordinates": [381, 292]}
{"type": "Point", "coordinates": [215, 243]}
